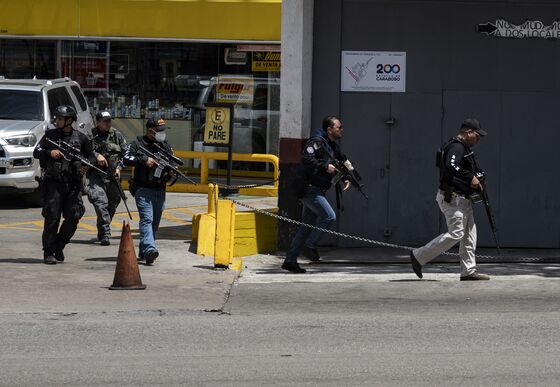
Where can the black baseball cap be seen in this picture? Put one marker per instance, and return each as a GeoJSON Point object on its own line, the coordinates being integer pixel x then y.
{"type": "Point", "coordinates": [158, 123]}
{"type": "Point", "coordinates": [472, 123]}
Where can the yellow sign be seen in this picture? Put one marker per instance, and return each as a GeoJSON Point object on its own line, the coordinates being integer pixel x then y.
{"type": "Point", "coordinates": [266, 61]}
{"type": "Point", "coordinates": [218, 124]}
{"type": "Point", "coordinates": [255, 20]}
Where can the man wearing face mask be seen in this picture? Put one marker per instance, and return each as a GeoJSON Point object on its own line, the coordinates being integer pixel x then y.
{"type": "Point", "coordinates": [148, 190]}
{"type": "Point", "coordinates": [62, 183]}
{"type": "Point", "coordinates": [109, 147]}
{"type": "Point", "coordinates": [459, 179]}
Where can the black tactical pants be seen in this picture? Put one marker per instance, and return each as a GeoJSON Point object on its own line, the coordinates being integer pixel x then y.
{"type": "Point", "coordinates": [105, 197]}
{"type": "Point", "coordinates": [60, 199]}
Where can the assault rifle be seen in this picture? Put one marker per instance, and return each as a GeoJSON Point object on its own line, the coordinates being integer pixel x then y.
{"type": "Point", "coordinates": [71, 153]}
{"type": "Point", "coordinates": [166, 161]}
{"type": "Point", "coordinates": [111, 169]}
{"type": "Point", "coordinates": [346, 170]}
{"type": "Point", "coordinates": [482, 196]}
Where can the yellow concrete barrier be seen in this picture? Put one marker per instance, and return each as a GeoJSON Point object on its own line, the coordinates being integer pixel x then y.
{"type": "Point", "coordinates": [228, 235]}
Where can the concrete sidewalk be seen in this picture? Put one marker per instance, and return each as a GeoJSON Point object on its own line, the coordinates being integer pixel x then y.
{"type": "Point", "coordinates": [388, 264]}
{"type": "Point", "coordinates": [182, 280]}
{"type": "Point", "coordinates": [179, 280]}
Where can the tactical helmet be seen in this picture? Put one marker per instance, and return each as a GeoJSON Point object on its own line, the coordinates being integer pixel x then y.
{"type": "Point", "coordinates": [103, 116]}
{"type": "Point", "coordinates": [65, 111]}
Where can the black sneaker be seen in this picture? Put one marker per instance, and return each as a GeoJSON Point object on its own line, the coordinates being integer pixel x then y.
{"type": "Point", "coordinates": [416, 266]}
{"type": "Point", "coordinates": [476, 276]}
{"type": "Point", "coordinates": [105, 241]}
{"type": "Point", "coordinates": [311, 253]}
{"type": "Point", "coordinates": [151, 256]}
{"type": "Point", "coordinates": [293, 267]}
{"type": "Point", "coordinates": [49, 259]}
{"type": "Point", "coordinates": [59, 256]}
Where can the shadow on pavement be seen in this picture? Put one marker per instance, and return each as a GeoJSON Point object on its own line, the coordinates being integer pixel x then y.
{"type": "Point", "coordinates": [13, 202]}
{"type": "Point", "coordinates": [102, 259]}
{"type": "Point", "coordinates": [183, 232]}
{"type": "Point", "coordinates": [21, 260]}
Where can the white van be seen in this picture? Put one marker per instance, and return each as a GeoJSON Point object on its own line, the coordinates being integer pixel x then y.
{"type": "Point", "coordinates": [26, 107]}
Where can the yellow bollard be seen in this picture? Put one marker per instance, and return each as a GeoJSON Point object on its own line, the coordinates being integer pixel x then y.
{"type": "Point", "coordinates": [225, 230]}
{"type": "Point", "coordinates": [212, 197]}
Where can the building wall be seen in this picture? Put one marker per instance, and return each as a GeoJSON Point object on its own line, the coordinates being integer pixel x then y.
{"type": "Point", "coordinates": [452, 72]}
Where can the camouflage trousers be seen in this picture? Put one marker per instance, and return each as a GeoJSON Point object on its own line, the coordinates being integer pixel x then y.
{"type": "Point", "coordinates": [105, 197]}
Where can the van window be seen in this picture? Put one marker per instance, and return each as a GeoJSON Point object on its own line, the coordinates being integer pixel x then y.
{"type": "Point", "coordinates": [21, 105]}
{"type": "Point", "coordinates": [59, 96]}
{"type": "Point", "coordinates": [80, 97]}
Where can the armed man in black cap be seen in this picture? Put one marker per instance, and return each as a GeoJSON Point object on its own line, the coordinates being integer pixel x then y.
{"type": "Point", "coordinates": [459, 179]}
{"type": "Point", "coordinates": [109, 147]}
{"type": "Point", "coordinates": [64, 154]}
{"type": "Point", "coordinates": [148, 183]}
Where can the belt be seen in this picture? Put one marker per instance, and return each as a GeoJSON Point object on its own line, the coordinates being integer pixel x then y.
{"type": "Point", "coordinates": [466, 196]}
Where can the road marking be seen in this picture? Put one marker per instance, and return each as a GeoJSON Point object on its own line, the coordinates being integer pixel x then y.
{"type": "Point", "coordinates": [168, 216]}
{"type": "Point", "coordinates": [86, 228]}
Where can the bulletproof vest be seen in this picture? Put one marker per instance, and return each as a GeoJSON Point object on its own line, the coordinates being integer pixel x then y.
{"type": "Point", "coordinates": [110, 146]}
{"type": "Point", "coordinates": [62, 169]}
{"type": "Point", "coordinates": [440, 153]}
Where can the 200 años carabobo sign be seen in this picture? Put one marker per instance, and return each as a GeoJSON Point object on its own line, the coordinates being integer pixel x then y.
{"type": "Point", "coordinates": [529, 29]}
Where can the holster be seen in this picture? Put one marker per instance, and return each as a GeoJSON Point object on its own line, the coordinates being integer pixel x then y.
{"type": "Point", "coordinates": [448, 193]}
{"type": "Point", "coordinates": [132, 186]}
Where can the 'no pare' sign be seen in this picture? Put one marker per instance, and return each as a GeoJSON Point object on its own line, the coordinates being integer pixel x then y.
{"type": "Point", "coordinates": [218, 124]}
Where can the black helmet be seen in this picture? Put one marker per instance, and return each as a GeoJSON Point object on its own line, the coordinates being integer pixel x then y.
{"type": "Point", "coordinates": [103, 116]}
{"type": "Point", "coordinates": [65, 111]}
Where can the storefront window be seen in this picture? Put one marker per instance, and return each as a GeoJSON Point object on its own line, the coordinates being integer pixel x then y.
{"type": "Point", "coordinates": [135, 80]}
{"type": "Point", "coordinates": [28, 58]}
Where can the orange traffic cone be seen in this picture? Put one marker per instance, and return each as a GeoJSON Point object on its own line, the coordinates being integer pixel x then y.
{"type": "Point", "coordinates": [127, 274]}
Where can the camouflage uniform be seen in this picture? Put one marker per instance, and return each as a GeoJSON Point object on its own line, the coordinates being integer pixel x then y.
{"type": "Point", "coordinates": [101, 190]}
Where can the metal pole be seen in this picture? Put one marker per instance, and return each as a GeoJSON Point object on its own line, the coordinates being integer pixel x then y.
{"type": "Point", "coordinates": [230, 145]}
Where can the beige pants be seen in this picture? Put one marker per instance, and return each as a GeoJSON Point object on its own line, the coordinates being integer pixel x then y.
{"type": "Point", "coordinates": [460, 228]}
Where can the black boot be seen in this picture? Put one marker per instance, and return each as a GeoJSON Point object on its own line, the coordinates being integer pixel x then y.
{"type": "Point", "coordinates": [49, 259]}
{"type": "Point", "coordinates": [293, 267]}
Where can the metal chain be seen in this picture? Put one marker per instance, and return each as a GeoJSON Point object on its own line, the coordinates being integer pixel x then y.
{"type": "Point", "coordinates": [378, 243]}
{"type": "Point", "coordinates": [237, 187]}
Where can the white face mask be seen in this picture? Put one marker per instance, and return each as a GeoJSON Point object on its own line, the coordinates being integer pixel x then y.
{"type": "Point", "coordinates": [160, 136]}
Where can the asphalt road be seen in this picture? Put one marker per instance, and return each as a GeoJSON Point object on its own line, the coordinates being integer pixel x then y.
{"type": "Point", "coordinates": [349, 322]}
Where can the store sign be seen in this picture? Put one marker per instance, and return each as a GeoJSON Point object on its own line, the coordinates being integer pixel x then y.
{"type": "Point", "coordinates": [234, 57]}
{"type": "Point", "coordinates": [237, 90]}
{"type": "Point", "coordinates": [530, 29]}
{"type": "Point", "coordinates": [265, 61]}
{"type": "Point", "coordinates": [218, 125]}
{"type": "Point", "coordinates": [373, 71]}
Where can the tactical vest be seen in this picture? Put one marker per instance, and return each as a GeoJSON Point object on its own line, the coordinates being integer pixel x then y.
{"type": "Point", "coordinates": [110, 147]}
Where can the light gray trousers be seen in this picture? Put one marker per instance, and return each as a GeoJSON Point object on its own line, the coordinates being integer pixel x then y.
{"type": "Point", "coordinates": [460, 228]}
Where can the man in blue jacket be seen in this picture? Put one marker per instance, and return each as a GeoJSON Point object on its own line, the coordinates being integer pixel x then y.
{"type": "Point", "coordinates": [317, 169]}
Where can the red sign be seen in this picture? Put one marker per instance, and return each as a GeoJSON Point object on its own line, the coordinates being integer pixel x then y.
{"type": "Point", "coordinates": [89, 72]}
